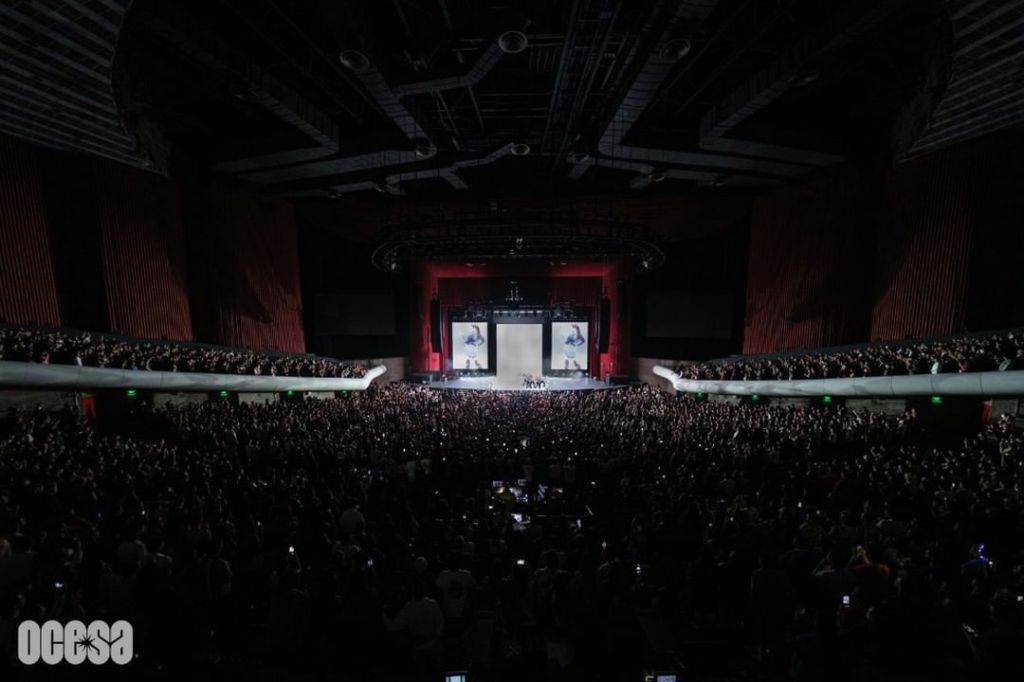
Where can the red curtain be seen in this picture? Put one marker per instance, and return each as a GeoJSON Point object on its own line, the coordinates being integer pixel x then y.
{"type": "Point", "coordinates": [805, 275]}
{"type": "Point", "coordinates": [143, 253]}
{"type": "Point", "coordinates": [251, 269]}
{"type": "Point", "coordinates": [28, 289]}
{"type": "Point", "coordinates": [924, 245]}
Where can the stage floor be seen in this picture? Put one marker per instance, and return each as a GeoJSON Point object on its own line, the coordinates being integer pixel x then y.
{"type": "Point", "coordinates": [493, 384]}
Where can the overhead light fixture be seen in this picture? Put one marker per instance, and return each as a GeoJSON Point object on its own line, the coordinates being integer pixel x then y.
{"type": "Point", "coordinates": [241, 91]}
{"type": "Point", "coordinates": [513, 42]}
{"type": "Point", "coordinates": [657, 176]}
{"type": "Point", "coordinates": [578, 157]}
{"type": "Point", "coordinates": [801, 79]}
{"type": "Point", "coordinates": [520, 149]}
{"type": "Point", "coordinates": [424, 149]}
{"type": "Point", "coordinates": [674, 50]}
{"type": "Point", "coordinates": [354, 60]}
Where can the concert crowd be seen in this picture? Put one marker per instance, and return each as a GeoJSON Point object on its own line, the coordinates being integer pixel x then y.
{"type": "Point", "coordinates": [402, 531]}
{"type": "Point", "coordinates": [998, 352]}
{"type": "Point", "coordinates": [92, 350]}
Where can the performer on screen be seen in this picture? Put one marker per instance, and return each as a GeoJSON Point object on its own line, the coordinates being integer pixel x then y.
{"type": "Point", "coordinates": [470, 344]}
{"type": "Point", "coordinates": [572, 342]}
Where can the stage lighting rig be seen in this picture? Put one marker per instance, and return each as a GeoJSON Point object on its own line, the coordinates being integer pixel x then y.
{"type": "Point", "coordinates": [526, 234]}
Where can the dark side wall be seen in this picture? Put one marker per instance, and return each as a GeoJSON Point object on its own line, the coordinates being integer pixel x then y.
{"type": "Point", "coordinates": [930, 247]}
{"type": "Point", "coordinates": [90, 244]}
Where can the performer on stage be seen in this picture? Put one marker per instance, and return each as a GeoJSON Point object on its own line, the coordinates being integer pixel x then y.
{"type": "Point", "coordinates": [572, 342]}
{"type": "Point", "coordinates": [470, 344]}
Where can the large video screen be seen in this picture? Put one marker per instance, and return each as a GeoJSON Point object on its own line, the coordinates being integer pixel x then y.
{"type": "Point", "coordinates": [569, 345]}
{"type": "Point", "coordinates": [469, 345]}
{"type": "Point", "coordinates": [520, 351]}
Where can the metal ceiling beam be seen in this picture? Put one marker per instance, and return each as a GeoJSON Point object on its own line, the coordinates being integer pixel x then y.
{"type": "Point", "coordinates": [563, 63]}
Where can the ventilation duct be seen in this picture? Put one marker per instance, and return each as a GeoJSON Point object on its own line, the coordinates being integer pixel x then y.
{"type": "Point", "coordinates": [373, 81]}
{"type": "Point", "coordinates": [393, 183]}
{"type": "Point", "coordinates": [486, 62]}
{"type": "Point", "coordinates": [789, 70]}
{"type": "Point", "coordinates": [706, 178]}
{"type": "Point", "coordinates": [687, 18]}
{"type": "Point", "coordinates": [388, 98]}
{"type": "Point", "coordinates": [585, 162]}
{"type": "Point", "coordinates": [280, 100]}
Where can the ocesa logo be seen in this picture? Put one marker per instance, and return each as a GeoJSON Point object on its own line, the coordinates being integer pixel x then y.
{"type": "Point", "coordinates": [75, 642]}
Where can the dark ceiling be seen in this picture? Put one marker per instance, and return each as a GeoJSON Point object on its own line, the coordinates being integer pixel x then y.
{"type": "Point", "coordinates": [322, 98]}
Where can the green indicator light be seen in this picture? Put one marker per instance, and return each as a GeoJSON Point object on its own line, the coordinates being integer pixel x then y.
{"type": "Point", "coordinates": [826, 399]}
{"type": "Point", "coordinates": [936, 400]}
{"type": "Point", "coordinates": [132, 393]}
{"type": "Point", "coordinates": [223, 394]}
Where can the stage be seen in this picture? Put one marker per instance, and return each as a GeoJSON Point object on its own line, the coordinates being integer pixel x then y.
{"type": "Point", "coordinates": [492, 383]}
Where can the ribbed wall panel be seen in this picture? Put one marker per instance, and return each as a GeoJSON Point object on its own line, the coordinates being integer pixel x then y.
{"type": "Point", "coordinates": [252, 262]}
{"type": "Point", "coordinates": [28, 290]}
{"type": "Point", "coordinates": [143, 253]}
{"type": "Point", "coordinates": [804, 277]}
{"type": "Point", "coordinates": [924, 247]}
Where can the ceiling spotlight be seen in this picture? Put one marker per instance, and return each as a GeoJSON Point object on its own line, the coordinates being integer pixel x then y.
{"type": "Point", "coordinates": [799, 80]}
{"type": "Point", "coordinates": [674, 50]}
{"type": "Point", "coordinates": [241, 91]}
{"type": "Point", "coordinates": [424, 149]}
{"type": "Point", "coordinates": [520, 149]}
{"type": "Point", "coordinates": [355, 60]}
{"type": "Point", "coordinates": [513, 42]}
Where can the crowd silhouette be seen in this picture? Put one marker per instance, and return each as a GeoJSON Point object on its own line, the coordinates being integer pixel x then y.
{"type": "Point", "coordinates": [94, 350]}
{"type": "Point", "coordinates": [522, 535]}
{"type": "Point", "coordinates": [996, 352]}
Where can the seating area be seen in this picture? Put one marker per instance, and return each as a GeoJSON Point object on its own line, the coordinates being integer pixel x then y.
{"type": "Point", "coordinates": [62, 347]}
{"type": "Point", "coordinates": [402, 531]}
{"type": "Point", "coordinates": [1000, 351]}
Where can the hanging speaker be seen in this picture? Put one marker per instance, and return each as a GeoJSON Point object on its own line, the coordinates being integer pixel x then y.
{"type": "Point", "coordinates": [604, 324]}
{"type": "Point", "coordinates": [435, 325]}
